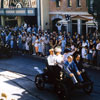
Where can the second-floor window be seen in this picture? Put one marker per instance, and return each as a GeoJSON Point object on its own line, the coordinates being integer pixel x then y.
{"type": "Point", "coordinates": [69, 3]}
{"type": "Point", "coordinates": [78, 3]}
{"type": "Point", "coordinates": [58, 3]}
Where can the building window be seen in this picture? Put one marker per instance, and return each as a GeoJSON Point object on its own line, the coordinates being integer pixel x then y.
{"type": "Point", "coordinates": [78, 3]}
{"type": "Point", "coordinates": [58, 3]}
{"type": "Point", "coordinates": [69, 3]}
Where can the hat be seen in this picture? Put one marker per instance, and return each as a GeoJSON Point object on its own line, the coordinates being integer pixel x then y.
{"type": "Point", "coordinates": [51, 49]}
{"type": "Point", "coordinates": [58, 49]}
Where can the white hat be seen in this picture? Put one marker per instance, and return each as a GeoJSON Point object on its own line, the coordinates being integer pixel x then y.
{"type": "Point", "coordinates": [58, 49]}
{"type": "Point", "coordinates": [51, 49]}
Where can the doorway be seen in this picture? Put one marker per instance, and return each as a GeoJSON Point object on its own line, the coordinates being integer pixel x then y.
{"type": "Point", "coordinates": [30, 20]}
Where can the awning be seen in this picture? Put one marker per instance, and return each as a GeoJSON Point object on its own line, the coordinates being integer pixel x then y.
{"type": "Point", "coordinates": [63, 21]}
{"type": "Point", "coordinates": [92, 23]}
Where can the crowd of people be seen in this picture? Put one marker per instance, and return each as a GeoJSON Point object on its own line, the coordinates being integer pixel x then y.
{"type": "Point", "coordinates": [31, 40]}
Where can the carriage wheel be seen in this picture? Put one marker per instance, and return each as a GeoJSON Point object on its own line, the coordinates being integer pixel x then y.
{"type": "Point", "coordinates": [62, 92]}
{"type": "Point", "coordinates": [39, 82]}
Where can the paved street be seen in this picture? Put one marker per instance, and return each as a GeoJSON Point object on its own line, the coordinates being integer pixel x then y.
{"type": "Point", "coordinates": [17, 80]}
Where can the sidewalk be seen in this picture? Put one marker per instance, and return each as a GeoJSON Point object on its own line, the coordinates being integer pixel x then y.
{"type": "Point", "coordinates": [91, 66]}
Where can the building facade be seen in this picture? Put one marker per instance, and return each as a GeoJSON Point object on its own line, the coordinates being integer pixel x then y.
{"type": "Point", "coordinates": [76, 11]}
{"type": "Point", "coordinates": [72, 14]}
{"type": "Point", "coordinates": [16, 12]}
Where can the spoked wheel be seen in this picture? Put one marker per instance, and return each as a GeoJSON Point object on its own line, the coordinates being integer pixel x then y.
{"type": "Point", "coordinates": [39, 82]}
{"type": "Point", "coordinates": [62, 92]}
{"type": "Point", "coordinates": [88, 89]}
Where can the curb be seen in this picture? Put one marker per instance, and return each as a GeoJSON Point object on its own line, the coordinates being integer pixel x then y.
{"type": "Point", "coordinates": [91, 66]}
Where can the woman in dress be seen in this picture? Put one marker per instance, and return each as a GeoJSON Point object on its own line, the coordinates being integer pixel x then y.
{"type": "Point", "coordinates": [36, 45]}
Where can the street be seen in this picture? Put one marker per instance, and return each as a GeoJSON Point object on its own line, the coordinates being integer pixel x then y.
{"type": "Point", "coordinates": [17, 80]}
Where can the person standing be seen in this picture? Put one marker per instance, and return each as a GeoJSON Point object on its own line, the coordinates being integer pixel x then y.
{"type": "Point", "coordinates": [36, 45]}
{"type": "Point", "coordinates": [46, 42]}
{"type": "Point", "coordinates": [98, 53]}
{"type": "Point", "coordinates": [83, 51]}
{"type": "Point", "coordinates": [27, 44]}
{"type": "Point", "coordinates": [20, 42]}
{"type": "Point", "coordinates": [33, 42]}
{"type": "Point", "coordinates": [12, 43]}
{"type": "Point", "coordinates": [23, 43]}
{"type": "Point", "coordinates": [63, 44]}
{"type": "Point", "coordinates": [59, 26]}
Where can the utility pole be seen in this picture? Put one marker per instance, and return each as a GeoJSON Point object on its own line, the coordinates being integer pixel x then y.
{"type": "Point", "coordinates": [38, 13]}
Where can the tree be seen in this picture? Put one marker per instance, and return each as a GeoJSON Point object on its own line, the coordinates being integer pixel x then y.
{"type": "Point", "coordinates": [94, 9]}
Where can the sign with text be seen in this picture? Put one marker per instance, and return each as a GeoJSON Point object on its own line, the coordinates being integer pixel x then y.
{"type": "Point", "coordinates": [19, 4]}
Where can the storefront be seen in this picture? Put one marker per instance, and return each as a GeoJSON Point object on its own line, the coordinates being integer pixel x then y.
{"type": "Point", "coordinates": [18, 11]}
{"type": "Point", "coordinates": [77, 23]}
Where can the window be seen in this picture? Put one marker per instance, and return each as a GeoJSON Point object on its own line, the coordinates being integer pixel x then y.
{"type": "Point", "coordinates": [69, 3]}
{"type": "Point", "coordinates": [58, 3]}
{"type": "Point", "coordinates": [78, 3]}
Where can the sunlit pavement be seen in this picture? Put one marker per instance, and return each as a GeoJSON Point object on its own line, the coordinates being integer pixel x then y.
{"type": "Point", "coordinates": [17, 80]}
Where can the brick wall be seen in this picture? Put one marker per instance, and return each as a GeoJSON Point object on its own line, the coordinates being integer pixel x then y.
{"type": "Point", "coordinates": [64, 7]}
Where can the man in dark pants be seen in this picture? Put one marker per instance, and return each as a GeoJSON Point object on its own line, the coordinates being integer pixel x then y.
{"type": "Point", "coordinates": [79, 64]}
{"type": "Point", "coordinates": [72, 70]}
{"type": "Point", "coordinates": [51, 64]}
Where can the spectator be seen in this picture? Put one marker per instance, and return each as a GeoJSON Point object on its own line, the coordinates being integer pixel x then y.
{"type": "Point", "coordinates": [36, 45]}
{"type": "Point", "coordinates": [98, 53]}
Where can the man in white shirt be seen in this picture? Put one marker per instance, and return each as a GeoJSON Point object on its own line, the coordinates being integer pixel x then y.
{"type": "Point", "coordinates": [51, 59]}
{"type": "Point", "coordinates": [59, 57]}
{"type": "Point", "coordinates": [59, 26]}
{"type": "Point", "coordinates": [98, 54]}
